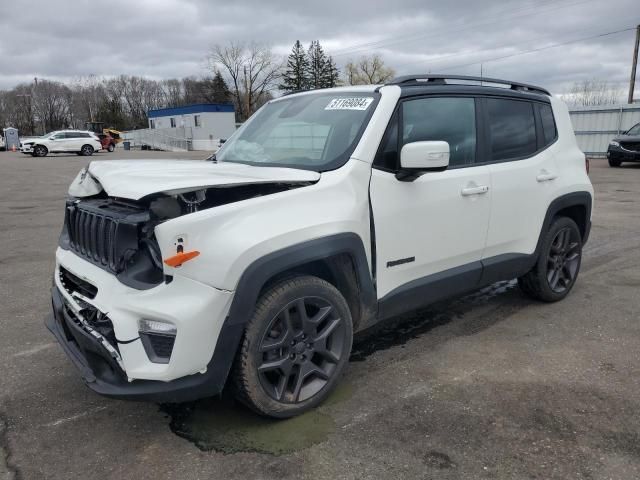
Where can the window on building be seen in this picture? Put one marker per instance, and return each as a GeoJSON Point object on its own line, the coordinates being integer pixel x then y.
{"type": "Point", "coordinates": [152, 123]}
{"type": "Point", "coordinates": [548, 124]}
{"type": "Point", "coordinates": [173, 122]}
{"type": "Point", "coordinates": [196, 121]}
{"type": "Point", "coordinates": [512, 127]}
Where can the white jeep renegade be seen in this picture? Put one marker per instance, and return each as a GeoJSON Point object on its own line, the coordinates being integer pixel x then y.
{"type": "Point", "coordinates": [326, 212]}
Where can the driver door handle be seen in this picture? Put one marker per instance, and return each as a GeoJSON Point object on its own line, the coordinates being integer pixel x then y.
{"type": "Point", "coordinates": [476, 190]}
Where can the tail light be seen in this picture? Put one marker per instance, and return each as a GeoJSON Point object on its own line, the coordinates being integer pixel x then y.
{"type": "Point", "coordinates": [586, 164]}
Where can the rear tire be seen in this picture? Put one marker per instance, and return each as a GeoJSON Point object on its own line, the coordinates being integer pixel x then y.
{"type": "Point", "coordinates": [558, 265]}
{"type": "Point", "coordinates": [40, 151]}
{"type": "Point", "coordinates": [86, 150]}
{"type": "Point", "coordinates": [289, 362]}
{"type": "Point", "coordinates": [614, 163]}
{"type": "Point", "coordinates": [111, 148]}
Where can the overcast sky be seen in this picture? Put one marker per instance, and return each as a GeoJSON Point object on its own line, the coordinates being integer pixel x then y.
{"type": "Point", "coordinates": [170, 38]}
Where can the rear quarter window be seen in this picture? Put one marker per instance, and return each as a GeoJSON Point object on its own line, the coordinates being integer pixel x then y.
{"type": "Point", "coordinates": [549, 130]}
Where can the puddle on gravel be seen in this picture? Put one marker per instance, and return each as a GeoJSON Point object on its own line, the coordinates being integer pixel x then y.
{"type": "Point", "coordinates": [225, 426]}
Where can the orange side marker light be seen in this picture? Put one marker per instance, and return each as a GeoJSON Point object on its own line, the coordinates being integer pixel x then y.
{"type": "Point", "coordinates": [180, 258]}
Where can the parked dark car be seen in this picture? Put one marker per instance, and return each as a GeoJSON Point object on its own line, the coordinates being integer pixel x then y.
{"type": "Point", "coordinates": [625, 147]}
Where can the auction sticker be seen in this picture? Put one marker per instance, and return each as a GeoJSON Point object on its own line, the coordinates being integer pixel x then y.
{"type": "Point", "coordinates": [350, 103]}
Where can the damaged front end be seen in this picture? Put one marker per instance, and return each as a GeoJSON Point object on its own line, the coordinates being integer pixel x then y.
{"type": "Point", "coordinates": [118, 234]}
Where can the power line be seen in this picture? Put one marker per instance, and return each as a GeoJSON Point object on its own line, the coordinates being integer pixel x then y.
{"type": "Point", "coordinates": [522, 11]}
{"type": "Point", "coordinates": [440, 58]}
{"type": "Point", "coordinates": [524, 52]}
{"type": "Point", "coordinates": [354, 48]}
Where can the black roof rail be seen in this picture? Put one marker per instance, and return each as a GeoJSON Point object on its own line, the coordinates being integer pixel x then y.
{"type": "Point", "coordinates": [439, 79]}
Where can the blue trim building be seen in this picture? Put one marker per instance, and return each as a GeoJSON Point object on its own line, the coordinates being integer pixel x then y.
{"type": "Point", "coordinates": [202, 126]}
{"type": "Point", "coordinates": [191, 109]}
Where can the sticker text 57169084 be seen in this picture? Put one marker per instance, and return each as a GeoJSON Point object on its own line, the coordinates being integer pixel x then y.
{"type": "Point", "coordinates": [350, 103]}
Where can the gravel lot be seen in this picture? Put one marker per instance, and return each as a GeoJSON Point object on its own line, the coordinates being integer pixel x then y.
{"type": "Point", "coordinates": [489, 386]}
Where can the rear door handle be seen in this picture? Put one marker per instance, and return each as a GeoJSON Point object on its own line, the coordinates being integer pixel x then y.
{"type": "Point", "coordinates": [479, 190]}
{"type": "Point", "coordinates": [545, 176]}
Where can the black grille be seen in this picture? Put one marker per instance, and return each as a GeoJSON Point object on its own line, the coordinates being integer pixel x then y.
{"type": "Point", "coordinates": [633, 146]}
{"type": "Point", "coordinates": [104, 232]}
{"type": "Point", "coordinates": [72, 283]}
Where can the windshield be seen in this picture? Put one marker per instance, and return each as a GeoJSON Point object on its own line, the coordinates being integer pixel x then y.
{"type": "Point", "coordinates": [635, 130]}
{"type": "Point", "coordinates": [316, 131]}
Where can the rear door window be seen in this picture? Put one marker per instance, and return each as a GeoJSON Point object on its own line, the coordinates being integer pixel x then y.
{"type": "Point", "coordinates": [512, 129]}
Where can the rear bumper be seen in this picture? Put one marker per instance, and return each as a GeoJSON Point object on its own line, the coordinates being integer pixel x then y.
{"type": "Point", "coordinates": [102, 374]}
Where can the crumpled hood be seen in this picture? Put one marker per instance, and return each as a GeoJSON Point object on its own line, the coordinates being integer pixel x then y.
{"type": "Point", "coordinates": [135, 179]}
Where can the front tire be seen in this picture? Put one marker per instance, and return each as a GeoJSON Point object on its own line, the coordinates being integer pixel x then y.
{"type": "Point", "coordinates": [558, 265]}
{"type": "Point", "coordinates": [40, 151]}
{"type": "Point", "coordinates": [295, 347]}
{"type": "Point", "coordinates": [86, 150]}
{"type": "Point", "coordinates": [111, 148]}
{"type": "Point", "coordinates": [614, 163]}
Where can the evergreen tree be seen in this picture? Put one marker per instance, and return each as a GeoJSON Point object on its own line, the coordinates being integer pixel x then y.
{"type": "Point", "coordinates": [220, 92]}
{"type": "Point", "coordinates": [317, 65]}
{"type": "Point", "coordinates": [323, 72]}
{"type": "Point", "coordinates": [295, 76]}
{"type": "Point", "coordinates": [331, 74]}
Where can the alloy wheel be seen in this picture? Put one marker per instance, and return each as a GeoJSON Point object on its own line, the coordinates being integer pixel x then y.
{"type": "Point", "coordinates": [563, 260]}
{"type": "Point", "coordinates": [300, 349]}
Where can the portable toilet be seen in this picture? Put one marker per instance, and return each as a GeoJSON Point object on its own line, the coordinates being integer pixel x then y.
{"type": "Point", "coordinates": [11, 139]}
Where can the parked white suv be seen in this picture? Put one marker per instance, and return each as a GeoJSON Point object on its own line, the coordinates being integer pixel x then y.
{"type": "Point", "coordinates": [326, 212]}
{"type": "Point", "coordinates": [63, 141]}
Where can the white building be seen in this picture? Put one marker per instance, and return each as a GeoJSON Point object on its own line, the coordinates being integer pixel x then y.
{"type": "Point", "coordinates": [202, 125]}
{"type": "Point", "coordinates": [595, 126]}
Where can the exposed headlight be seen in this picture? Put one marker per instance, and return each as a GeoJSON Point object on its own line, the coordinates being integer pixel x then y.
{"type": "Point", "coordinates": [157, 339]}
{"type": "Point", "coordinates": [154, 326]}
{"type": "Point", "coordinates": [613, 143]}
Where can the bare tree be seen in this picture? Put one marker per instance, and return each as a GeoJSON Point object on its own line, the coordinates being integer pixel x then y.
{"type": "Point", "coordinates": [17, 109]}
{"type": "Point", "coordinates": [87, 95]}
{"type": "Point", "coordinates": [252, 70]}
{"type": "Point", "coordinates": [51, 104]}
{"type": "Point", "coordinates": [367, 70]}
{"type": "Point", "coordinates": [173, 92]}
{"type": "Point", "coordinates": [592, 92]}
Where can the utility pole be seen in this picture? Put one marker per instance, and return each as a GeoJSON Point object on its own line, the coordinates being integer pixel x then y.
{"type": "Point", "coordinates": [634, 64]}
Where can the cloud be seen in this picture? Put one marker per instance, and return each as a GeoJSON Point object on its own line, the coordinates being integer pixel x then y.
{"type": "Point", "coordinates": [170, 38]}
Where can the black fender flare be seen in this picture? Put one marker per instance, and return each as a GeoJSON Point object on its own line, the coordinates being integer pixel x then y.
{"type": "Point", "coordinates": [258, 273]}
{"type": "Point", "coordinates": [581, 199]}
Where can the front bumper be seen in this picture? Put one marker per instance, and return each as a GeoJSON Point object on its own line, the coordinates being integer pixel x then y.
{"type": "Point", "coordinates": [27, 149]}
{"type": "Point", "coordinates": [204, 346]}
{"type": "Point", "coordinates": [622, 154]}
